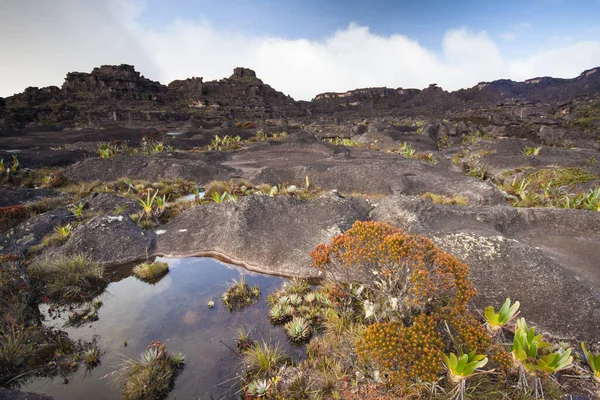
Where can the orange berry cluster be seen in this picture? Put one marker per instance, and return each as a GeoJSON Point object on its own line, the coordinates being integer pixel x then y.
{"type": "Point", "coordinates": [404, 354]}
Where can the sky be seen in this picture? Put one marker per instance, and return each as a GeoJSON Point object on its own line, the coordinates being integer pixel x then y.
{"type": "Point", "coordinates": [301, 47]}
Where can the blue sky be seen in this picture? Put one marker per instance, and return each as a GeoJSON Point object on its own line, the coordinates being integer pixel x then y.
{"type": "Point", "coordinates": [537, 24]}
{"type": "Point", "coordinates": [301, 47]}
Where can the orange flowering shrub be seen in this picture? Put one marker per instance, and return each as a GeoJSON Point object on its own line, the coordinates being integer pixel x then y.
{"type": "Point", "coordinates": [419, 273]}
{"type": "Point", "coordinates": [434, 289]}
{"type": "Point", "coordinates": [404, 354]}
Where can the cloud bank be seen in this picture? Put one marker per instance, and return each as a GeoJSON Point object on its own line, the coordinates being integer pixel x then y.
{"type": "Point", "coordinates": [42, 41]}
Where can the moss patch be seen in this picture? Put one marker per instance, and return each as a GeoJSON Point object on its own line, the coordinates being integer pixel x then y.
{"type": "Point", "coordinates": [458, 200]}
{"type": "Point", "coordinates": [561, 176]}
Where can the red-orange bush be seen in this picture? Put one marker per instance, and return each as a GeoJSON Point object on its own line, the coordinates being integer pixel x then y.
{"type": "Point", "coordinates": [434, 287]}
{"type": "Point", "coordinates": [372, 251]}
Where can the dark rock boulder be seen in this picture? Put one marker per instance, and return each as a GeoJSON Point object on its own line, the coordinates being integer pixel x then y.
{"type": "Point", "coordinates": [517, 253]}
{"type": "Point", "coordinates": [110, 240]}
{"type": "Point", "coordinates": [32, 231]}
{"type": "Point", "coordinates": [267, 234]}
{"type": "Point", "coordinates": [108, 203]}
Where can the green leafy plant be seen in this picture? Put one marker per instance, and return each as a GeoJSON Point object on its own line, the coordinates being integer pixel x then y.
{"type": "Point", "coordinates": [495, 321]}
{"type": "Point", "coordinates": [461, 368]}
{"type": "Point", "coordinates": [64, 231]}
{"type": "Point", "coordinates": [532, 356]}
{"type": "Point", "coordinates": [148, 203]}
{"type": "Point", "coordinates": [225, 196]}
{"type": "Point", "coordinates": [91, 356]}
{"type": "Point", "coordinates": [298, 330]}
{"type": "Point", "coordinates": [259, 388]}
{"type": "Point", "coordinates": [532, 151]}
{"type": "Point", "coordinates": [520, 188]}
{"type": "Point", "coordinates": [262, 360]}
{"type": "Point", "coordinates": [225, 143]}
{"type": "Point", "coordinates": [261, 135]}
{"type": "Point", "coordinates": [107, 150]}
{"type": "Point", "coordinates": [77, 209]}
{"type": "Point", "coordinates": [343, 142]}
{"type": "Point", "coordinates": [526, 345]}
{"type": "Point", "coordinates": [151, 376]}
{"type": "Point", "coordinates": [15, 164]}
{"type": "Point", "coordinates": [593, 362]}
{"type": "Point", "coordinates": [240, 294]}
{"type": "Point", "coordinates": [407, 151]}
{"type": "Point", "coordinates": [243, 341]}
{"type": "Point", "coordinates": [273, 191]}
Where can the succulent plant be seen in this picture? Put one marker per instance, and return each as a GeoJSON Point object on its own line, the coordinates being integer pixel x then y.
{"type": "Point", "coordinates": [527, 351]}
{"type": "Point", "coordinates": [298, 329]}
{"type": "Point", "coordinates": [310, 297]}
{"type": "Point", "coordinates": [284, 300]}
{"type": "Point", "coordinates": [259, 388]}
{"type": "Point", "coordinates": [295, 300]}
{"type": "Point", "coordinates": [280, 313]}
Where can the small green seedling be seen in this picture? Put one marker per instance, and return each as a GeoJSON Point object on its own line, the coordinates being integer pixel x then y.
{"type": "Point", "coordinates": [593, 361]}
{"type": "Point", "coordinates": [496, 321]}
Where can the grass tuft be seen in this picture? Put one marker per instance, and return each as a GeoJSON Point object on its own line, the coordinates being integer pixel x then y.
{"type": "Point", "coordinates": [150, 271]}
{"type": "Point", "coordinates": [70, 278]}
{"type": "Point", "coordinates": [458, 199]}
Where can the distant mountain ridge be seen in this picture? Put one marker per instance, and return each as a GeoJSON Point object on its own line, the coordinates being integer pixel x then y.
{"type": "Point", "coordinates": [113, 93]}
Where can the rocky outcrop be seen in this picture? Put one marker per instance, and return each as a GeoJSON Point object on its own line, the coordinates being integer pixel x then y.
{"type": "Point", "coordinates": [525, 254]}
{"type": "Point", "coordinates": [111, 82]}
{"type": "Point", "coordinates": [109, 240]}
{"type": "Point", "coordinates": [265, 234]}
{"type": "Point", "coordinates": [119, 94]}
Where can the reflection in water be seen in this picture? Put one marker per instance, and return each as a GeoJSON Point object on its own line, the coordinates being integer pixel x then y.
{"type": "Point", "coordinates": [174, 310]}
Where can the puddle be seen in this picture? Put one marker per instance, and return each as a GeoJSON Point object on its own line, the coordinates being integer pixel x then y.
{"type": "Point", "coordinates": [173, 310]}
{"type": "Point", "coordinates": [187, 197]}
{"type": "Point", "coordinates": [174, 133]}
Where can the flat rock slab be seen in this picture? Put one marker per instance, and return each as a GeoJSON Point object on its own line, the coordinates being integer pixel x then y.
{"type": "Point", "coordinates": [559, 294]}
{"type": "Point", "coordinates": [356, 170]}
{"type": "Point", "coordinates": [10, 196]}
{"type": "Point", "coordinates": [197, 167]}
{"type": "Point", "coordinates": [266, 234]}
{"type": "Point", "coordinates": [349, 170]}
{"type": "Point", "coordinates": [109, 241]}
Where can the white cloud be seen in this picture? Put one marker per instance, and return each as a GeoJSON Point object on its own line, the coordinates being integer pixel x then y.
{"type": "Point", "coordinates": [68, 35]}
